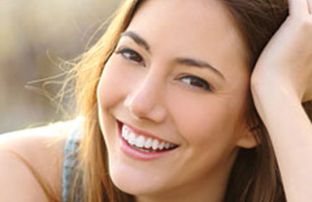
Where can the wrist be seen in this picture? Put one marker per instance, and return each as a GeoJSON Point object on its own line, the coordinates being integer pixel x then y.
{"type": "Point", "coordinates": [274, 90]}
{"type": "Point", "coordinates": [273, 101]}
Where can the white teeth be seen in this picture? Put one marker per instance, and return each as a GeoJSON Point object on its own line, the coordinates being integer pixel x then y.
{"type": "Point", "coordinates": [161, 145]}
{"type": "Point", "coordinates": [141, 141]}
{"type": "Point", "coordinates": [155, 144]}
{"type": "Point", "coordinates": [131, 139]}
{"type": "Point", "coordinates": [124, 133]}
{"type": "Point", "coordinates": [148, 143]}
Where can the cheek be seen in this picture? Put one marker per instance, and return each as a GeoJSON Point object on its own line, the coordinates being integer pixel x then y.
{"type": "Point", "coordinates": [206, 121]}
{"type": "Point", "coordinates": [113, 85]}
{"type": "Point", "coordinates": [207, 127]}
{"type": "Point", "coordinates": [118, 79]}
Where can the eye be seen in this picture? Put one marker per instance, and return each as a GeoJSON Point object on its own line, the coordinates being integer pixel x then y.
{"type": "Point", "coordinates": [196, 82]}
{"type": "Point", "coordinates": [131, 55]}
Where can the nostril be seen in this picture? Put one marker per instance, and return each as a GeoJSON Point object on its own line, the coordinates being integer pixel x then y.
{"type": "Point", "coordinates": [146, 100]}
{"type": "Point", "coordinates": [139, 105]}
{"type": "Point", "coordinates": [158, 114]}
{"type": "Point", "coordinates": [146, 108]}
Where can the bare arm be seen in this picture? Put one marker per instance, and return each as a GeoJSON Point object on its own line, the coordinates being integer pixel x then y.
{"type": "Point", "coordinates": [281, 81]}
{"type": "Point", "coordinates": [291, 133]}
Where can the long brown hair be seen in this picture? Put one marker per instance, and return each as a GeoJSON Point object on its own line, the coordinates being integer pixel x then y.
{"type": "Point", "coordinates": [255, 175]}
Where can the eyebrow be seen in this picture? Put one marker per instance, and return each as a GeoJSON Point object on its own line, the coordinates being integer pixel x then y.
{"type": "Point", "coordinates": [200, 64]}
{"type": "Point", "coordinates": [184, 61]}
{"type": "Point", "coordinates": [139, 40]}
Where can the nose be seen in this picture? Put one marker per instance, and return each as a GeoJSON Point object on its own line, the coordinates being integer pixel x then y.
{"type": "Point", "coordinates": [146, 100]}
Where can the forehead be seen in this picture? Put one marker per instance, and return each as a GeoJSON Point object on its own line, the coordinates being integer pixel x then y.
{"type": "Point", "coordinates": [202, 28]}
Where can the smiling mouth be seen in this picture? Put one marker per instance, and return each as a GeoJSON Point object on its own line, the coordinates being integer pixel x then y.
{"type": "Point", "coordinates": [143, 143]}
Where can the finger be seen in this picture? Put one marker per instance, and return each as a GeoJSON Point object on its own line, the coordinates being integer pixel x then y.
{"type": "Point", "coordinates": [298, 7]}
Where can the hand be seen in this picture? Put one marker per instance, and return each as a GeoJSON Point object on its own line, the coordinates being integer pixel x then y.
{"type": "Point", "coordinates": [286, 62]}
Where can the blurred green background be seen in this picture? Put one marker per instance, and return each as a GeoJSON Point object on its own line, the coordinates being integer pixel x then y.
{"type": "Point", "coordinates": [35, 36]}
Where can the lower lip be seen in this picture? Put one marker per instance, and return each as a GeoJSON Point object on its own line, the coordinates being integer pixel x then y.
{"type": "Point", "coordinates": [140, 155]}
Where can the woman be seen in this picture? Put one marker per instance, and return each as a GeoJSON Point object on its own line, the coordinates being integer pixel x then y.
{"type": "Point", "coordinates": [168, 114]}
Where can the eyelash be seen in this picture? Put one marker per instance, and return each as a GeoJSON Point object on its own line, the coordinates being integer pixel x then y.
{"type": "Point", "coordinates": [130, 54]}
{"type": "Point", "coordinates": [197, 82]}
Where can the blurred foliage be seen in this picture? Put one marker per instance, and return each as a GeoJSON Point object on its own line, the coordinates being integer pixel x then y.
{"type": "Point", "coordinates": [35, 37]}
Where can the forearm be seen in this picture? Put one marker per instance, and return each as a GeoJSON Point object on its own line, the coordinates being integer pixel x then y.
{"type": "Point", "coordinates": [291, 133]}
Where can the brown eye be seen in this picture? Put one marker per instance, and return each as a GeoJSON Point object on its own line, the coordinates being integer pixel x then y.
{"type": "Point", "coordinates": [196, 82]}
{"type": "Point", "coordinates": [131, 55]}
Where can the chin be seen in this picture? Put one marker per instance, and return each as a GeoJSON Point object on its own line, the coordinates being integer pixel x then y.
{"type": "Point", "coordinates": [134, 182]}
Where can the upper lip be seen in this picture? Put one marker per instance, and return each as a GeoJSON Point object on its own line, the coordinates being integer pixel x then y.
{"type": "Point", "coordinates": [144, 133]}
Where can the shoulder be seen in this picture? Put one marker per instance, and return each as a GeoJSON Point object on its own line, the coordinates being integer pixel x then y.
{"type": "Point", "coordinates": [30, 154]}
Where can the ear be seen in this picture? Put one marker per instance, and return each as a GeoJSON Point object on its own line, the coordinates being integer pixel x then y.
{"type": "Point", "coordinates": [248, 138]}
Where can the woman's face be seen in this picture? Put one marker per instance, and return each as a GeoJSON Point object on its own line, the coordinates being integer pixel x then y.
{"type": "Point", "coordinates": [172, 101]}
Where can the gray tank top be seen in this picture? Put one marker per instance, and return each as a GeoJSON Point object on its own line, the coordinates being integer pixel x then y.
{"type": "Point", "coordinates": [70, 161]}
